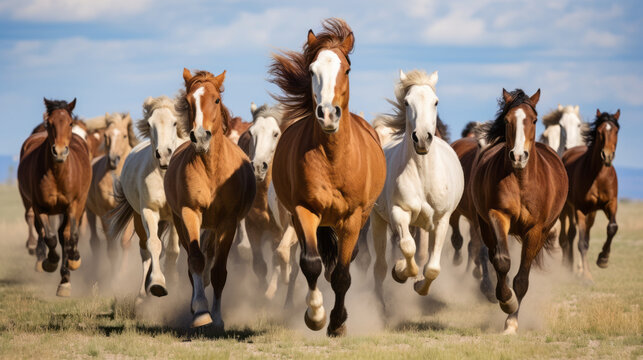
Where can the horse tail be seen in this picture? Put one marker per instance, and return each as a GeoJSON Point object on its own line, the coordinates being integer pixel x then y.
{"type": "Point", "coordinates": [122, 214]}
{"type": "Point", "coordinates": [549, 246]}
{"type": "Point", "coordinates": [327, 247]}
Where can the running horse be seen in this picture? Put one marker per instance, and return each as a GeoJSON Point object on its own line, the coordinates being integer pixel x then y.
{"type": "Point", "coordinates": [209, 184]}
{"type": "Point", "coordinates": [54, 176]}
{"type": "Point", "coordinates": [328, 168]}
{"type": "Point", "coordinates": [518, 187]}
{"type": "Point", "coordinates": [594, 187]}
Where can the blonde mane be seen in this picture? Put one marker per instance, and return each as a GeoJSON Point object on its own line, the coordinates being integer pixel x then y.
{"type": "Point", "coordinates": [553, 117]}
{"type": "Point", "coordinates": [117, 117]}
{"type": "Point", "coordinates": [397, 120]}
{"type": "Point", "coordinates": [149, 106]}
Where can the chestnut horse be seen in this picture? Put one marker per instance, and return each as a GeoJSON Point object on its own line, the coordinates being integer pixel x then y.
{"type": "Point", "coordinates": [594, 186]}
{"type": "Point", "coordinates": [53, 176]}
{"type": "Point", "coordinates": [518, 187]}
{"type": "Point", "coordinates": [328, 167]}
{"type": "Point", "coordinates": [209, 184]}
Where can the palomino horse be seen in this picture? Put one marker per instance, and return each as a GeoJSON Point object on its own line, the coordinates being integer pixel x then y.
{"type": "Point", "coordinates": [119, 141]}
{"type": "Point", "coordinates": [518, 187]}
{"type": "Point", "coordinates": [268, 220]}
{"type": "Point", "coordinates": [53, 176]}
{"type": "Point", "coordinates": [139, 193]}
{"type": "Point", "coordinates": [209, 184]}
{"type": "Point", "coordinates": [328, 168]}
{"type": "Point", "coordinates": [563, 128]}
{"type": "Point", "coordinates": [594, 186]}
{"type": "Point", "coordinates": [424, 182]}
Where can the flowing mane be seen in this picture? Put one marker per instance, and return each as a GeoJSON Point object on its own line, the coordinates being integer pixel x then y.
{"type": "Point", "coordinates": [289, 70]}
{"type": "Point", "coordinates": [183, 107]}
{"type": "Point", "coordinates": [275, 112]}
{"type": "Point", "coordinates": [151, 104]}
{"type": "Point", "coordinates": [397, 120]}
{"type": "Point", "coordinates": [554, 116]}
{"type": "Point", "coordinates": [496, 132]}
{"type": "Point", "coordinates": [589, 135]}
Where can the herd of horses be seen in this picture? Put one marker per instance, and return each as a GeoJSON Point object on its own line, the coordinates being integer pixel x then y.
{"type": "Point", "coordinates": [309, 173]}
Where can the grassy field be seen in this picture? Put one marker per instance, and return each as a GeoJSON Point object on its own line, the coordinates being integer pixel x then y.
{"type": "Point", "coordinates": [560, 318]}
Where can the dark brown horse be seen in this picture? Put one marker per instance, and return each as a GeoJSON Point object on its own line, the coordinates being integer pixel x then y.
{"type": "Point", "coordinates": [53, 177]}
{"type": "Point", "coordinates": [209, 184]}
{"type": "Point", "coordinates": [518, 187]}
{"type": "Point", "coordinates": [328, 167]}
{"type": "Point", "coordinates": [593, 187]}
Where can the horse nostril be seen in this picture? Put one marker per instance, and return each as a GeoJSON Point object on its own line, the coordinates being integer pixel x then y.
{"type": "Point", "coordinates": [603, 155]}
{"type": "Point", "coordinates": [526, 155]}
{"type": "Point", "coordinates": [169, 151]}
{"type": "Point", "coordinates": [511, 156]}
{"type": "Point", "coordinates": [429, 136]}
{"type": "Point", "coordinates": [158, 155]}
{"type": "Point", "coordinates": [265, 166]}
{"type": "Point", "coordinates": [53, 150]}
{"type": "Point", "coordinates": [320, 112]}
{"type": "Point", "coordinates": [338, 112]}
{"type": "Point", "coordinates": [208, 134]}
{"type": "Point", "coordinates": [192, 137]}
{"type": "Point", "coordinates": [414, 137]}
{"type": "Point", "coordinates": [66, 149]}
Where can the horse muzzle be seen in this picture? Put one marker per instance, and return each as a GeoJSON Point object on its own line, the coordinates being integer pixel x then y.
{"type": "Point", "coordinates": [421, 143]}
{"type": "Point", "coordinates": [518, 161]}
{"type": "Point", "coordinates": [260, 169]}
{"type": "Point", "coordinates": [607, 157]}
{"type": "Point", "coordinates": [113, 161]}
{"type": "Point", "coordinates": [200, 139]}
{"type": "Point", "coordinates": [328, 117]}
{"type": "Point", "coordinates": [60, 155]}
{"type": "Point", "coordinates": [163, 158]}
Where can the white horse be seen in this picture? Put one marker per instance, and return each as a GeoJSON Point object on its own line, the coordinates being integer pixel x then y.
{"type": "Point", "coordinates": [140, 193]}
{"type": "Point", "coordinates": [424, 182]}
{"type": "Point", "coordinates": [563, 128]}
{"type": "Point", "coordinates": [268, 220]}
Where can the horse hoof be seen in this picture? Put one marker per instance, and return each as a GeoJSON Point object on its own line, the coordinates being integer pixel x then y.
{"type": "Point", "coordinates": [602, 261]}
{"type": "Point", "coordinates": [511, 326]}
{"type": "Point", "coordinates": [39, 266]}
{"type": "Point", "coordinates": [64, 290]}
{"type": "Point", "coordinates": [511, 305]}
{"type": "Point", "coordinates": [31, 251]}
{"type": "Point", "coordinates": [49, 266]}
{"type": "Point", "coordinates": [339, 332]}
{"type": "Point", "coordinates": [73, 264]}
{"type": "Point", "coordinates": [419, 287]}
{"type": "Point", "coordinates": [314, 325]}
{"type": "Point", "coordinates": [158, 290]}
{"type": "Point", "coordinates": [398, 279]}
{"type": "Point", "coordinates": [201, 319]}
{"type": "Point", "coordinates": [457, 258]}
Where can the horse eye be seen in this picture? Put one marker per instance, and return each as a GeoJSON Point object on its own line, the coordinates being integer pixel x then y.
{"type": "Point", "coordinates": [174, 124]}
{"type": "Point", "coordinates": [218, 100]}
{"type": "Point", "coordinates": [124, 136]}
{"type": "Point", "coordinates": [436, 102]}
{"type": "Point", "coordinates": [275, 134]}
{"type": "Point", "coordinates": [406, 103]}
{"type": "Point", "coordinates": [535, 120]}
{"type": "Point", "coordinates": [347, 71]}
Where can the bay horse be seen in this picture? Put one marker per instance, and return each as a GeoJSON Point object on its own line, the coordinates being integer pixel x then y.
{"type": "Point", "coordinates": [518, 187]}
{"type": "Point", "coordinates": [268, 220]}
{"type": "Point", "coordinates": [593, 187]}
{"type": "Point", "coordinates": [54, 174]}
{"type": "Point", "coordinates": [139, 193]}
{"type": "Point", "coordinates": [328, 167]}
{"type": "Point", "coordinates": [209, 184]}
{"type": "Point", "coordinates": [423, 186]}
{"type": "Point", "coordinates": [119, 140]}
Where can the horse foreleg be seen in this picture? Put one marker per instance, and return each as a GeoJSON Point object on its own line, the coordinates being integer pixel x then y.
{"type": "Point", "coordinates": [64, 236]}
{"type": "Point", "coordinates": [495, 236]}
{"type": "Point", "coordinates": [49, 264]}
{"type": "Point", "coordinates": [310, 262]}
{"type": "Point", "coordinates": [340, 281]}
{"type": "Point", "coordinates": [146, 257]}
{"type": "Point", "coordinates": [112, 254]}
{"type": "Point", "coordinates": [94, 240]}
{"type": "Point", "coordinates": [404, 268]}
{"type": "Point", "coordinates": [294, 270]}
{"type": "Point", "coordinates": [32, 241]}
{"type": "Point", "coordinates": [363, 254]}
{"type": "Point", "coordinates": [566, 236]}
{"type": "Point", "coordinates": [456, 238]}
{"type": "Point", "coordinates": [219, 272]}
{"type": "Point", "coordinates": [437, 236]}
{"type": "Point", "coordinates": [259, 266]}
{"type": "Point", "coordinates": [612, 228]}
{"type": "Point", "coordinates": [421, 245]}
{"type": "Point", "coordinates": [475, 244]}
{"type": "Point", "coordinates": [585, 223]}
{"type": "Point", "coordinates": [172, 252]}
{"type": "Point", "coordinates": [156, 280]}
{"type": "Point", "coordinates": [378, 230]}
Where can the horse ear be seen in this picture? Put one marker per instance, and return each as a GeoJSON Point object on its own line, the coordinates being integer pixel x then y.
{"type": "Point", "coordinates": [402, 75]}
{"type": "Point", "coordinates": [506, 96]}
{"type": "Point", "coordinates": [71, 105]}
{"type": "Point", "coordinates": [253, 107]}
{"type": "Point", "coordinates": [219, 79]}
{"type": "Point", "coordinates": [535, 97]}
{"type": "Point", "coordinates": [598, 113]}
{"type": "Point", "coordinates": [311, 38]}
{"type": "Point", "coordinates": [433, 78]}
{"type": "Point", "coordinates": [560, 107]}
{"type": "Point", "coordinates": [348, 43]}
{"type": "Point", "coordinates": [148, 101]}
{"type": "Point", "coordinates": [187, 76]}
{"type": "Point", "coordinates": [618, 114]}
{"type": "Point", "coordinates": [577, 109]}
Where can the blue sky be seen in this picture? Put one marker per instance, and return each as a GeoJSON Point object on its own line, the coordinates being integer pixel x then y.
{"type": "Point", "coordinates": [112, 54]}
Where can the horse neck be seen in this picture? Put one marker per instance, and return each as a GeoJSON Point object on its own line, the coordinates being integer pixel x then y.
{"type": "Point", "coordinates": [335, 145]}
{"type": "Point", "coordinates": [60, 170]}
{"type": "Point", "coordinates": [211, 157]}
{"type": "Point", "coordinates": [593, 162]}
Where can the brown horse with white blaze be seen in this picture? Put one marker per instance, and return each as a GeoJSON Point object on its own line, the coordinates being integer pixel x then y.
{"type": "Point", "coordinates": [518, 187]}
{"type": "Point", "coordinates": [593, 187]}
{"type": "Point", "coordinates": [328, 168]}
{"type": "Point", "coordinates": [209, 184]}
{"type": "Point", "coordinates": [53, 176]}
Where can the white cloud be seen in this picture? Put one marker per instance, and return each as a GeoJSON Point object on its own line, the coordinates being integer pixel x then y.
{"type": "Point", "coordinates": [72, 10]}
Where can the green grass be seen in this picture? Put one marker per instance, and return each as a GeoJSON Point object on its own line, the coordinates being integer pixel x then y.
{"type": "Point", "coordinates": [565, 319]}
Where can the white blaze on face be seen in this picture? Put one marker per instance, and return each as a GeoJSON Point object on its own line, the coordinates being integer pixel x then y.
{"type": "Point", "coordinates": [519, 143]}
{"type": "Point", "coordinates": [422, 111]}
{"type": "Point", "coordinates": [571, 123]}
{"type": "Point", "coordinates": [198, 117]}
{"type": "Point", "coordinates": [608, 127]}
{"type": "Point", "coordinates": [325, 70]}
{"type": "Point", "coordinates": [263, 132]}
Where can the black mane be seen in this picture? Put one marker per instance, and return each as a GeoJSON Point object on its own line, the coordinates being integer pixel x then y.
{"type": "Point", "coordinates": [468, 128]}
{"type": "Point", "coordinates": [589, 135]}
{"type": "Point", "coordinates": [497, 130]}
{"type": "Point", "coordinates": [53, 105]}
